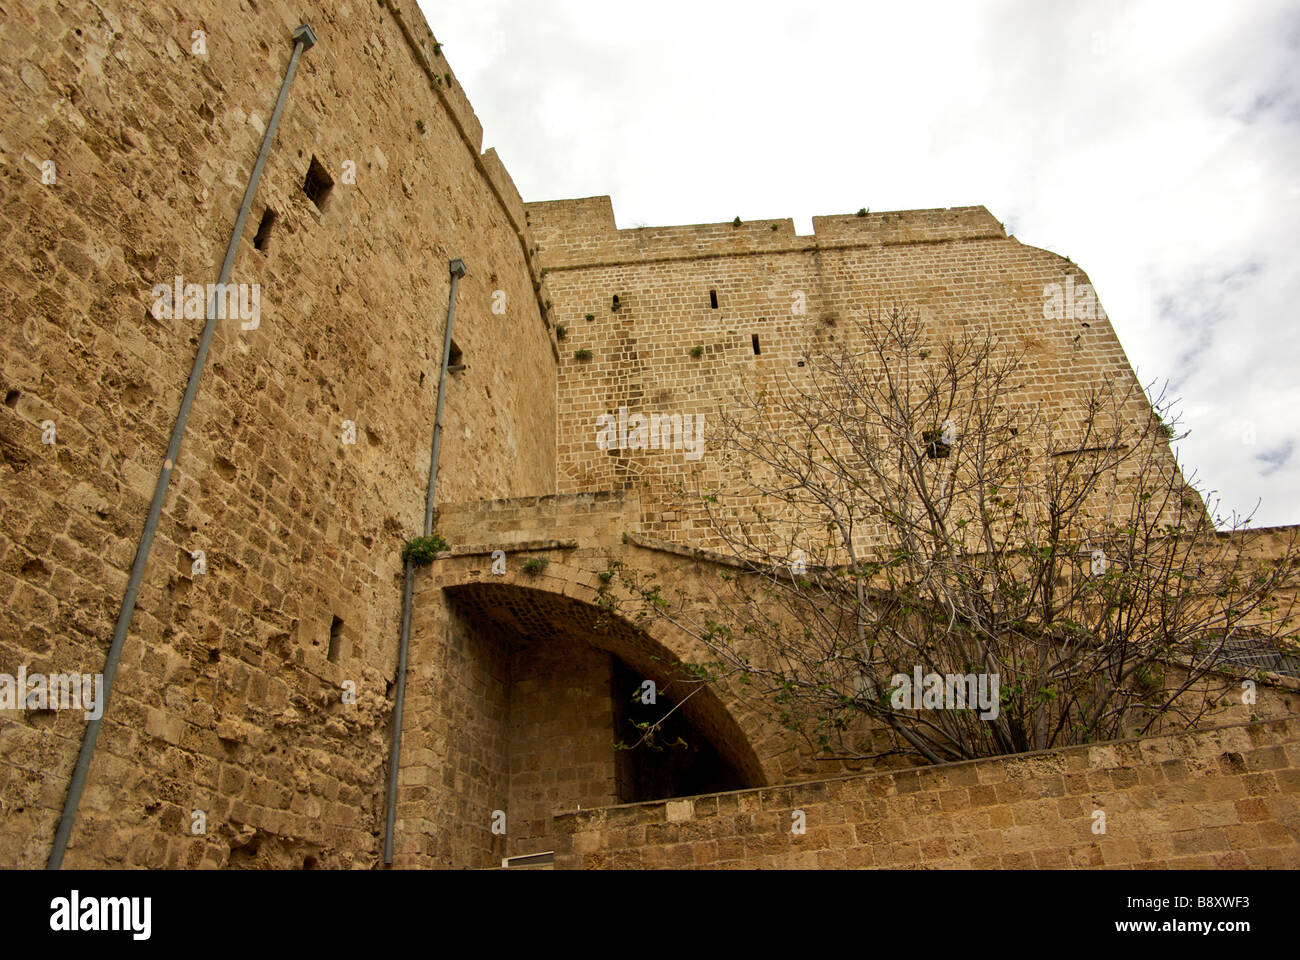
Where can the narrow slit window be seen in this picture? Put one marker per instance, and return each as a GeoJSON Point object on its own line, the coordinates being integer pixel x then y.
{"type": "Point", "coordinates": [262, 239]}
{"type": "Point", "coordinates": [336, 640]}
{"type": "Point", "coordinates": [713, 299]}
{"type": "Point", "coordinates": [754, 341]}
{"type": "Point", "coordinates": [318, 184]}
{"type": "Point", "coordinates": [615, 305]}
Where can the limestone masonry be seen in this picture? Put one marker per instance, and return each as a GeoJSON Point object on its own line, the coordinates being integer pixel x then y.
{"type": "Point", "coordinates": [252, 713]}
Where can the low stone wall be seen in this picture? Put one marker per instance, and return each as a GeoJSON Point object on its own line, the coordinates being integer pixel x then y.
{"type": "Point", "coordinates": [1227, 797]}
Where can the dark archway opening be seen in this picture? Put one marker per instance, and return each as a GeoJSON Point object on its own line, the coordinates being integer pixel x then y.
{"type": "Point", "coordinates": [676, 760]}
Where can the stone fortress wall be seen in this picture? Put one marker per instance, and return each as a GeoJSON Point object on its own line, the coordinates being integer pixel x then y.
{"type": "Point", "coordinates": [227, 699]}
{"type": "Point", "coordinates": [755, 300]}
{"type": "Point", "coordinates": [129, 134]}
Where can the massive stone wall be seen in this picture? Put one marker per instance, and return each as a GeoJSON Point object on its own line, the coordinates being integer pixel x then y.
{"type": "Point", "coordinates": [755, 299]}
{"type": "Point", "coordinates": [130, 132]}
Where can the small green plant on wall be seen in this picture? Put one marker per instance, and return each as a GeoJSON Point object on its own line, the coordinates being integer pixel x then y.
{"type": "Point", "coordinates": [422, 550]}
{"type": "Point", "coordinates": [582, 354]}
{"type": "Point", "coordinates": [561, 331]}
{"type": "Point", "coordinates": [697, 352]}
{"type": "Point", "coordinates": [536, 565]}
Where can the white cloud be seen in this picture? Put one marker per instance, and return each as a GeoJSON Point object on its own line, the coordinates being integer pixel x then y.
{"type": "Point", "coordinates": [1155, 143]}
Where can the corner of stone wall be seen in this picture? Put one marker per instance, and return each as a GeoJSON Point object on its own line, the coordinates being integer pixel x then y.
{"type": "Point", "coordinates": [419, 37]}
{"type": "Point", "coordinates": [558, 224]}
{"type": "Point", "coordinates": [505, 187]}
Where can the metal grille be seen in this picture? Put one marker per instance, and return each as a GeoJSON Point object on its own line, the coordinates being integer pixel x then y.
{"type": "Point", "coordinates": [1260, 655]}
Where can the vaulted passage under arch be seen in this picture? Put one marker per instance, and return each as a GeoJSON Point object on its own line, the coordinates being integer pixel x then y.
{"type": "Point", "coordinates": [563, 683]}
{"type": "Point", "coordinates": [679, 761]}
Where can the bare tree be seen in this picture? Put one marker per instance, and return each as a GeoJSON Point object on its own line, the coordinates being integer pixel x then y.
{"type": "Point", "coordinates": [912, 517]}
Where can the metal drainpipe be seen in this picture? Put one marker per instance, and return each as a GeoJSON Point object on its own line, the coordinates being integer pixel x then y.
{"type": "Point", "coordinates": [304, 38]}
{"type": "Point", "coordinates": [457, 271]}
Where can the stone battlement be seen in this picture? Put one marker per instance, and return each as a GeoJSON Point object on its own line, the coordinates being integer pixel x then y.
{"type": "Point", "coordinates": [579, 233]}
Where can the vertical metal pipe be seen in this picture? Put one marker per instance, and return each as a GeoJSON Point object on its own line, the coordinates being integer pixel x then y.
{"type": "Point", "coordinates": [396, 752]}
{"type": "Point", "coordinates": [304, 38]}
{"type": "Point", "coordinates": [457, 271]}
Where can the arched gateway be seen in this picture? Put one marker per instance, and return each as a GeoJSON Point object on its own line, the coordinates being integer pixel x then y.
{"type": "Point", "coordinates": [522, 684]}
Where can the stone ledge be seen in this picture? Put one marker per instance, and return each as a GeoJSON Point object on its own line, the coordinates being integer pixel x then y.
{"type": "Point", "coordinates": [523, 546]}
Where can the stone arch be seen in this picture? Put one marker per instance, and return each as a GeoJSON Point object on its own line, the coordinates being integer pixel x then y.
{"type": "Point", "coordinates": [463, 697]}
{"type": "Point", "coordinates": [552, 615]}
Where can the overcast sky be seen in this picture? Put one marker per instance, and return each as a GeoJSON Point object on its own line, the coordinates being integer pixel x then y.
{"type": "Point", "coordinates": [1154, 143]}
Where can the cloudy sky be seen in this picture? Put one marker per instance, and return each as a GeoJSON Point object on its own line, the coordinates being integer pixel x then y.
{"type": "Point", "coordinates": [1154, 143]}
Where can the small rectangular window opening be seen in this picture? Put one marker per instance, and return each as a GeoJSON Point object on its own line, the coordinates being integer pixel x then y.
{"type": "Point", "coordinates": [615, 305]}
{"type": "Point", "coordinates": [455, 359]}
{"type": "Point", "coordinates": [336, 640]}
{"type": "Point", "coordinates": [713, 299]}
{"type": "Point", "coordinates": [262, 239]}
{"type": "Point", "coordinates": [318, 184]}
{"type": "Point", "coordinates": [754, 340]}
